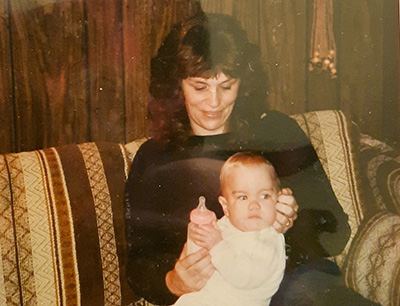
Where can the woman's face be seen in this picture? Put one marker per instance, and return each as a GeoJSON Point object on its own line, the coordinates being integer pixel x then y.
{"type": "Point", "coordinates": [209, 103]}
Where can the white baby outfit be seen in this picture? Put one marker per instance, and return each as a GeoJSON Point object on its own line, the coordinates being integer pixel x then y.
{"type": "Point", "coordinates": [249, 268]}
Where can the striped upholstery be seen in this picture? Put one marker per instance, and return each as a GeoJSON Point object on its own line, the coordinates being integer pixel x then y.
{"type": "Point", "coordinates": [373, 264]}
{"type": "Point", "coordinates": [61, 219]}
{"type": "Point", "coordinates": [330, 135]}
{"type": "Point", "coordinates": [370, 262]}
{"type": "Point", "coordinates": [380, 166]}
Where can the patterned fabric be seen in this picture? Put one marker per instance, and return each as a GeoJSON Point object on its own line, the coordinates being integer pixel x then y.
{"type": "Point", "coordinates": [133, 147]}
{"type": "Point", "coordinates": [380, 166]}
{"type": "Point", "coordinates": [142, 302]}
{"type": "Point", "coordinates": [331, 136]}
{"type": "Point", "coordinates": [62, 225]}
{"type": "Point", "coordinates": [373, 264]}
{"type": "Point", "coordinates": [371, 260]}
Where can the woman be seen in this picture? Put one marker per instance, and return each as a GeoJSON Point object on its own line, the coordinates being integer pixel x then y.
{"type": "Point", "coordinates": [208, 95]}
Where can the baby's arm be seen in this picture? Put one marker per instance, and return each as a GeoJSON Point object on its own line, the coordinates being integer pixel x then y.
{"type": "Point", "coordinates": [205, 236]}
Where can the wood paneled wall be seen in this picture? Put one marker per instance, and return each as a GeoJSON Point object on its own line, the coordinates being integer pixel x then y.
{"type": "Point", "coordinates": [73, 71]}
{"type": "Point", "coordinates": [77, 70]}
{"type": "Point", "coordinates": [367, 40]}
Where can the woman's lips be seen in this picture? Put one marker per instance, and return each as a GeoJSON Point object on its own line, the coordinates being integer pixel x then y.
{"type": "Point", "coordinates": [212, 114]}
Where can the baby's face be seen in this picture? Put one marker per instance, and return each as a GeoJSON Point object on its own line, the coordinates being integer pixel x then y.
{"type": "Point", "coordinates": [250, 196]}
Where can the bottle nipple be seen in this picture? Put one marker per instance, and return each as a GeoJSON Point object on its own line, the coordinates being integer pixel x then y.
{"type": "Point", "coordinates": [202, 204]}
{"type": "Point", "coordinates": [202, 215]}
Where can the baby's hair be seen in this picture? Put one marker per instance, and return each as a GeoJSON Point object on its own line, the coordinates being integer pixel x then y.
{"type": "Point", "coordinates": [246, 158]}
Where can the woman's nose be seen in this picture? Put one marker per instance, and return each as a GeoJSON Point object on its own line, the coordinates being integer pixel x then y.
{"type": "Point", "coordinates": [213, 98]}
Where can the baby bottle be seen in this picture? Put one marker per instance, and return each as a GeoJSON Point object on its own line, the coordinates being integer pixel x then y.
{"type": "Point", "coordinates": [200, 215]}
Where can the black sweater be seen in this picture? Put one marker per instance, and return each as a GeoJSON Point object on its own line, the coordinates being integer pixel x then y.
{"type": "Point", "coordinates": [166, 181]}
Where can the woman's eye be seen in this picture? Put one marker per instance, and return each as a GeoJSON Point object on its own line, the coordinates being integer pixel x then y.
{"type": "Point", "coordinates": [200, 88]}
{"type": "Point", "coordinates": [227, 87]}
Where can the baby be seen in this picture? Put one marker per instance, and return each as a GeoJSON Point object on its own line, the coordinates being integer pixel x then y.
{"type": "Point", "coordinates": [247, 253]}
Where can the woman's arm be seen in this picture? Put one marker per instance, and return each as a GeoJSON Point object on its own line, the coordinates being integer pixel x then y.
{"type": "Point", "coordinates": [299, 168]}
{"type": "Point", "coordinates": [156, 225]}
{"type": "Point", "coordinates": [148, 257]}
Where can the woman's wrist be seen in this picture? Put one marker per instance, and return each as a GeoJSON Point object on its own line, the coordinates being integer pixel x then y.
{"type": "Point", "coordinates": [170, 281]}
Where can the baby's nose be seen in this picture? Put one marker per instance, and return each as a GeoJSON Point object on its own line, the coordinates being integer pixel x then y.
{"type": "Point", "coordinates": [254, 204]}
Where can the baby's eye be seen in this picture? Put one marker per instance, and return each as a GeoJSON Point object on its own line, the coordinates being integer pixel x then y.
{"type": "Point", "coordinates": [242, 198]}
{"type": "Point", "coordinates": [266, 196]}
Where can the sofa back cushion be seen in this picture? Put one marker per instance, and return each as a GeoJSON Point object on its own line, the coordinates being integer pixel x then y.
{"type": "Point", "coordinates": [332, 137]}
{"type": "Point", "coordinates": [380, 167]}
{"type": "Point", "coordinates": [62, 225]}
{"type": "Point", "coordinates": [372, 267]}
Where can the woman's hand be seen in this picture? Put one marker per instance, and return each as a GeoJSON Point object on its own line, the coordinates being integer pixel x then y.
{"type": "Point", "coordinates": [190, 272]}
{"type": "Point", "coordinates": [286, 211]}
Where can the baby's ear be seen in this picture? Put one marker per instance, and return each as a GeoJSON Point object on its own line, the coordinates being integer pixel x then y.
{"type": "Point", "coordinates": [224, 204]}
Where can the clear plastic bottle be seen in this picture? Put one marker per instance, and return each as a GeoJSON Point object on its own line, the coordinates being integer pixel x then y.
{"type": "Point", "coordinates": [200, 215]}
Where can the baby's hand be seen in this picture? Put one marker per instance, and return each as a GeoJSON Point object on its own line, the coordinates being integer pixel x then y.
{"type": "Point", "coordinates": [205, 236]}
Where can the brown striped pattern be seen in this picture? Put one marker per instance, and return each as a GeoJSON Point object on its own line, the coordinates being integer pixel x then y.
{"type": "Point", "coordinates": [104, 217]}
{"type": "Point", "coordinates": [373, 265]}
{"type": "Point", "coordinates": [330, 135]}
{"type": "Point", "coordinates": [62, 226]}
{"type": "Point", "coordinates": [43, 258]}
{"type": "Point", "coordinates": [380, 165]}
{"type": "Point", "coordinates": [10, 280]}
{"type": "Point", "coordinates": [22, 231]}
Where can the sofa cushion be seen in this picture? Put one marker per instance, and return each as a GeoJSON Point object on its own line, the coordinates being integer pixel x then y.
{"type": "Point", "coordinates": [373, 264]}
{"type": "Point", "coordinates": [380, 166]}
{"type": "Point", "coordinates": [332, 136]}
{"type": "Point", "coordinates": [61, 212]}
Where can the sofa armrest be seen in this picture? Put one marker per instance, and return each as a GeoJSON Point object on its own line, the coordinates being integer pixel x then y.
{"type": "Point", "coordinates": [61, 213]}
{"type": "Point", "coordinates": [380, 169]}
{"type": "Point", "coordinates": [372, 266]}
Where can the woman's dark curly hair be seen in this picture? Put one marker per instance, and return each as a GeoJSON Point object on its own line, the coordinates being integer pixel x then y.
{"type": "Point", "coordinates": [204, 46]}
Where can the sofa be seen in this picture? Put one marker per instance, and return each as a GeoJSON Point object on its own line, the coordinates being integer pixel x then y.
{"type": "Point", "coordinates": [62, 238]}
